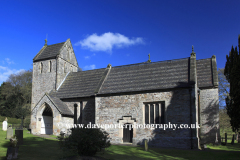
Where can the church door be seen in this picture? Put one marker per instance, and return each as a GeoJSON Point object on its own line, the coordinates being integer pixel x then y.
{"type": "Point", "coordinates": [47, 121]}
{"type": "Point", "coordinates": [127, 133]}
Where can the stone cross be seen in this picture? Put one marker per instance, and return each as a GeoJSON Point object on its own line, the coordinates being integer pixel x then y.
{"type": "Point", "coordinates": [149, 58]}
{"type": "Point", "coordinates": [4, 125]}
{"type": "Point", "coordinates": [9, 133]}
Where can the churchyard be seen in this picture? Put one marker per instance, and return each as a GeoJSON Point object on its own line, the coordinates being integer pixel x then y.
{"type": "Point", "coordinates": [37, 148]}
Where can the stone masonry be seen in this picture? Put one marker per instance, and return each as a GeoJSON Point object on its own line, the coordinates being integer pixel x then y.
{"type": "Point", "coordinates": [177, 111]}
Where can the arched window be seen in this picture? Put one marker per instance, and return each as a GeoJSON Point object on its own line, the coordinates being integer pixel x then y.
{"type": "Point", "coordinates": [50, 66]}
{"type": "Point", "coordinates": [65, 67]}
{"type": "Point", "coordinates": [68, 54]}
{"type": "Point", "coordinates": [41, 67]}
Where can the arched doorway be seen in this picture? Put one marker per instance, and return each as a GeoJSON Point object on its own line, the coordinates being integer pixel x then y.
{"type": "Point", "coordinates": [127, 133]}
{"type": "Point", "coordinates": [47, 121]}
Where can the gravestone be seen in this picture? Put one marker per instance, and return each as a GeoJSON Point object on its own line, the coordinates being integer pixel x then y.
{"type": "Point", "coordinates": [232, 139]}
{"type": "Point", "coordinates": [9, 153]}
{"type": "Point", "coordinates": [19, 135]}
{"type": "Point", "coordinates": [146, 145]}
{"type": "Point", "coordinates": [216, 141]}
{"type": "Point", "coordinates": [226, 138]}
{"type": "Point", "coordinates": [12, 153]}
{"type": "Point", "coordinates": [4, 126]}
{"type": "Point", "coordinates": [9, 133]}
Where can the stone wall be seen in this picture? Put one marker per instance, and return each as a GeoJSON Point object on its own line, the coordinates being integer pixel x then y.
{"type": "Point", "coordinates": [209, 110]}
{"type": "Point", "coordinates": [44, 81]}
{"type": "Point", "coordinates": [37, 113]}
{"type": "Point", "coordinates": [110, 109]}
{"type": "Point", "coordinates": [88, 109]}
{"type": "Point", "coordinates": [66, 62]}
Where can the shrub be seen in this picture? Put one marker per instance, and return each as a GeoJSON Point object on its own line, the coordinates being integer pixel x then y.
{"type": "Point", "coordinates": [85, 141]}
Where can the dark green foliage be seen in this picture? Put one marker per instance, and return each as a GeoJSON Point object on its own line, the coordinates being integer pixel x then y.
{"type": "Point", "coordinates": [15, 95]}
{"type": "Point", "coordinates": [232, 73]}
{"type": "Point", "coordinates": [85, 141]}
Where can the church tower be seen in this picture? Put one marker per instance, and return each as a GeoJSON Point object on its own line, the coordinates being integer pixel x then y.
{"type": "Point", "coordinates": [50, 66]}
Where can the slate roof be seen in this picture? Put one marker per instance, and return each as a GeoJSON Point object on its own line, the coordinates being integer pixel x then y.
{"type": "Point", "coordinates": [48, 52]}
{"type": "Point", "coordinates": [135, 77]}
{"type": "Point", "coordinates": [62, 107]}
{"type": "Point", "coordinates": [147, 76]}
{"type": "Point", "coordinates": [80, 84]}
{"type": "Point", "coordinates": [204, 72]}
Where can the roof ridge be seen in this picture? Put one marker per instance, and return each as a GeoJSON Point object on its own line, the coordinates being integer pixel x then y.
{"type": "Point", "coordinates": [55, 44]}
{"type": "Point", "coordinates": [145, 63]}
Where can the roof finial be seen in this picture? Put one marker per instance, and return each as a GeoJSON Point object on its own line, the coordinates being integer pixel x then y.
{"type": "Point", "coordinates": [193, 53]}
{"type": "Point", "coordinates": [149, 58]}
{"type": "Point", "coordinates": [46, 41]}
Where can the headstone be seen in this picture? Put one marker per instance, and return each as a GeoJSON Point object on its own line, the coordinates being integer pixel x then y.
{"type": "Point", "coordinates": [225, 138]}
{"type": "Point", "coordinates": [19, 135]}
{"type": "Point", "coordinates": [205, 146]}
{"type": "Point", "coordinates": [146, 145]}
{"type": "Point", "coordinates": [9, 133]}
{"type": "Point", "coordinates": [15, 154]}
{"type": "Point", "coordinates": [4, 126]}
{"type": "Point", "coordinates": [238, 138]}
{"type": "Point", "coordinates": [216, 141]}
{"type": "Point", "coordinates": [232, 139]}
{"type": "Point", "coordinates": [9, 153]}
{"type": "Point", "coordinates": [12, 153]}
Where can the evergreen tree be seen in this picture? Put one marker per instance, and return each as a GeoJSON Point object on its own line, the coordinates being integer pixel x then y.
{"type": "Point", "coordinates": [232, 73]}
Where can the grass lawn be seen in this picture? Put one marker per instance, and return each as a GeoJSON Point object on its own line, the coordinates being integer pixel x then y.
{"type": "Point", "coordinates": [36, 148]}
{"type": "Point", "coordinates": [135, 153]}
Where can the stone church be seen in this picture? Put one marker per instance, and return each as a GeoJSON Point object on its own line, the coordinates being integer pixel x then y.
{"type": "Point", "coordinates": [180, 91]}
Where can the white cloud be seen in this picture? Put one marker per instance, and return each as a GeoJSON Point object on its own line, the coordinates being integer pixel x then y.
{"type": "Point", "coordinates": [9, 61]}
{"type": "Point", "coordinates": [89, 67]}
{"type": "Point", "coordinates": [87, 57]}
{"type": "Point", "coordinates": [5, 72]}
{"type": "Point", "coordinates": [108, 41]}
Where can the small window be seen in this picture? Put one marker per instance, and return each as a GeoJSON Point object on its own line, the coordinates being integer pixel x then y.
{"type": "Point", "coordinates": [155, 113]}
{"type": "Point", "coordinates": [50, 66]}
{"type": "Point", "coordinates": [68, 53]}
{"type": "Point", "coordinates": [71, 68]}
{"type": "Point", "coordinates": [41, 67]}
{"type": "Point", "coordinates": [146, 114]}
{"type": "Point", "coordinates": [65, 67]}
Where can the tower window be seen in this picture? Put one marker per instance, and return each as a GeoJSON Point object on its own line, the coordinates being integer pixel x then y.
{"type": "Point", "coordinates": [50, 66]}
{"type": "Point", "coordinates": [41, 67]}
{"type": "Point", "coordinates": [68, 53]}
{"type": "Point", "coordinates": [65, 67]}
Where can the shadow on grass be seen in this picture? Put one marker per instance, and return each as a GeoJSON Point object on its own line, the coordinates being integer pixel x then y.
{"type": "Point", "coordinates": [36, 148]}
{"type": "Point", "coordinates": [228, 147]}
{"type": "Point", "coordinates": [135, 153]}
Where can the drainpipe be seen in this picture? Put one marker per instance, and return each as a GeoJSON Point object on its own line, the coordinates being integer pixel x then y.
{"type": "Point", "coordinates": [75, 113]}
{"type": "Point", "coordinates": [190, 91]}
{"type": "Point", "coordinates": [199, 121]}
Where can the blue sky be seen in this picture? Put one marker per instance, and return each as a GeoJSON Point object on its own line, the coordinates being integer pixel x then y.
{"type": "Point", "coordinates": [118, 32]}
